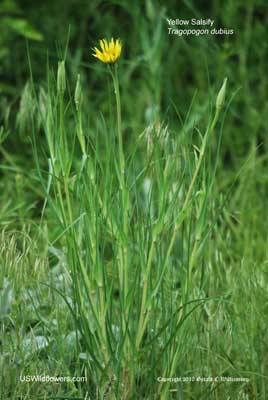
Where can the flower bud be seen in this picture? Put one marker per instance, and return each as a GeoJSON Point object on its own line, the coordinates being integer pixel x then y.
{"type": "Point", "coordinates": [61, 78]}
{"type": "Point", "coordinates": [78, 93]}
{"type": "Point", "coordinates": [150, 10]}
{"type": "Point", "coordinates": [221, 95]}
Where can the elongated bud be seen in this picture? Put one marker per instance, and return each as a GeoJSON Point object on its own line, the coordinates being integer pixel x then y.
{"type": "Point", "coordinates": [78, 93]}
{"type": "Point", "coordinates": [61, 78]}
{"type": "Point", "coordinates": [221, 95]}
{"type": "Point", "coordinates": [150, 11]}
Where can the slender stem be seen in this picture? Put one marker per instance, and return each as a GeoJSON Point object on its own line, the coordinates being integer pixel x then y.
{"type": "Point", "coordinates": [114, 74]}
{"type": "Point", "coordinates": [123, 249]}
{"type": "Point", "coordinates": [144, 293]}
{"type": "Point", "coordinates": [123, 275]}
{"type": "Point", "coordinates": [62, 147]}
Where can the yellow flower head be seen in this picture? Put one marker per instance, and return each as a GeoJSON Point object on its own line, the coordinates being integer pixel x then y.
{"type": "Point", "coordinates": [110, 52]}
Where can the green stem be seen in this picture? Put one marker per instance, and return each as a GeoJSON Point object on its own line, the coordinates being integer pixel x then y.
{"type": "Point", "coordinates": [62, 135]}
{"type": "Point", "coordinates": [123, 256]}
{"type": "Point", "coordinates": [119, 123]}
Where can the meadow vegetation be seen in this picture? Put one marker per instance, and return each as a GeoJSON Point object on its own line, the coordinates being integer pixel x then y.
{"type": "Point", "coordinates": [133, 198]}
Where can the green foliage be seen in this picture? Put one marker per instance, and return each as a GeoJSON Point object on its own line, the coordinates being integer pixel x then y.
{"type": "Point", "coordinates": [21, 27]}
{"type": "Point", "coordinates": [13, 24]}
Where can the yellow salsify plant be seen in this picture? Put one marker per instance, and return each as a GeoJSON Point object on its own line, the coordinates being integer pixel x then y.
{"type": "Point", "coordinates": [109, 54]}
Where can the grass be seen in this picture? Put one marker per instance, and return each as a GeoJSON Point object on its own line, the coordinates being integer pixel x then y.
{"type": "Point", "coordinates": [134, 237]}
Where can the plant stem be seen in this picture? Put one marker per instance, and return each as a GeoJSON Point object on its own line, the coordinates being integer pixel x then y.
{"type": "Point", "coordinates": [123, 271]}
{"type": "Point", "coordinates": [62, 147]}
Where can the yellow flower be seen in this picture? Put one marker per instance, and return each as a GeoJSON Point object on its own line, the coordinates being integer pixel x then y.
{"type": "Point", "coordinates": [110, 52]}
